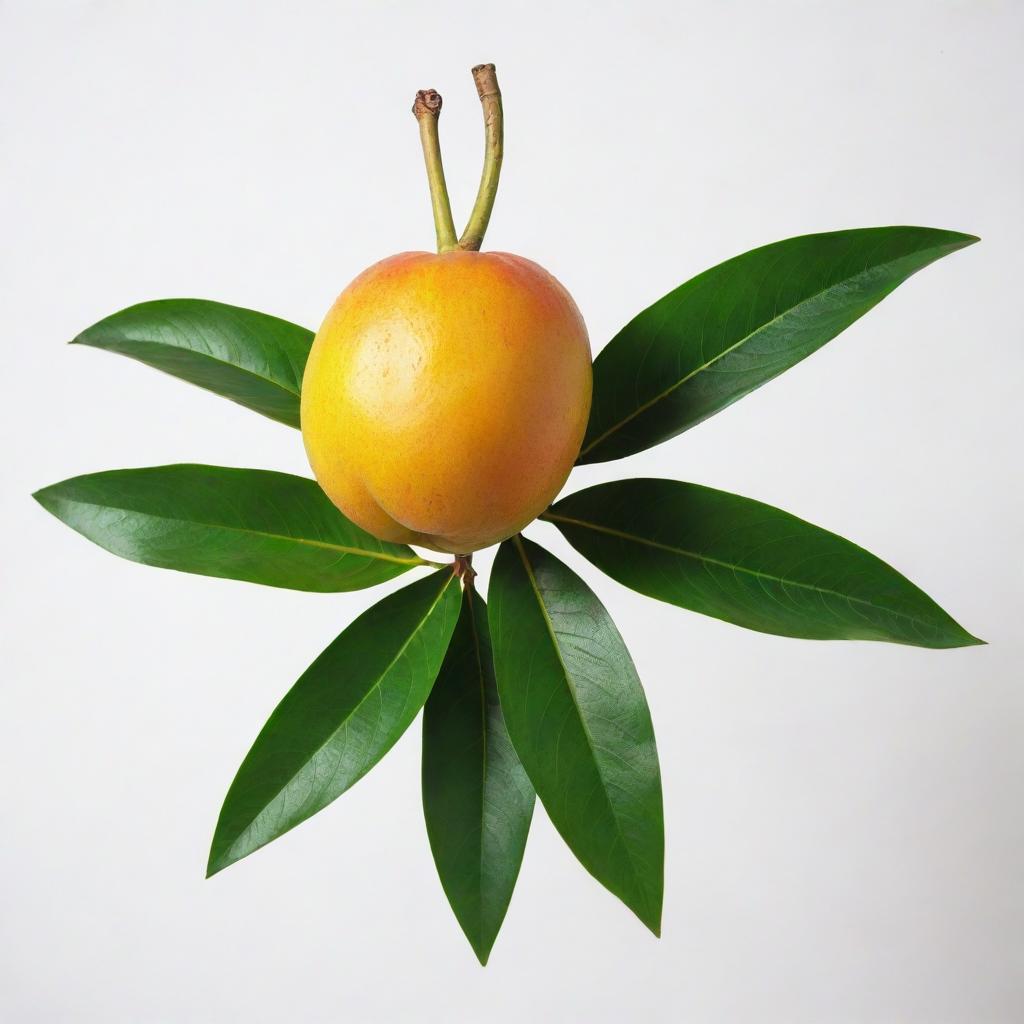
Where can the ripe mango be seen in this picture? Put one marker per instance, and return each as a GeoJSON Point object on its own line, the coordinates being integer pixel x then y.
{"type": "Point", "coordinates": [446, 396]}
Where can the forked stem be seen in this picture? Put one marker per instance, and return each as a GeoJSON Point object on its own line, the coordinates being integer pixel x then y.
{"type": "Point", "coordinates": [494, 133]}
{"type": "Point", "coordinates": [427, 108]}
{"type": "Point", "coordinates": [462, 567]}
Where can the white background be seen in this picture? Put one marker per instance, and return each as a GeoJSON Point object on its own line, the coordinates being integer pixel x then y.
{"type": "Point", "coordinates": [844, 821]}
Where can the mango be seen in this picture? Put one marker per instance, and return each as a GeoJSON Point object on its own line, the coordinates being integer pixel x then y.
{"type": "Point", "coordinates": [446, 396]}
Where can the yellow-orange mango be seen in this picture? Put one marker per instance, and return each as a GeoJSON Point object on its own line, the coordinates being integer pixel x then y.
{"type": "Point", "coordinates": [446, 397]}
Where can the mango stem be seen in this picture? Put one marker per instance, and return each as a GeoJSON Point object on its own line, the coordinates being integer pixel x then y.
{"type": "Point", "coordinates": [462, 567]}
{"type": "Point", "coordinates": [494, 131]}
{"type": "Point", "coordinates": [427, 108]}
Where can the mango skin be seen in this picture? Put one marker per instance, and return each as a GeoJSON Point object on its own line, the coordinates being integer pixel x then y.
{"type": "Point", "coordinates": [446, 397]}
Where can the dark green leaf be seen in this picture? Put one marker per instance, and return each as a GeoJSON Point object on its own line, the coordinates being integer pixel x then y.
{"type": "Point", "coordinates": [249, 357]}
{"type": "Point", "coordinates": [748, 563]}
{"type": "Point", "coordinates": [242, 524]}
{"type": "Point", "coordinates": [343, 715]}
{"type": "Point", "coordinates": [577, 715]}
{"type": "Point", "coordinates": [477, 799]}
{"type": "Point", "coordinates": [738, 325]}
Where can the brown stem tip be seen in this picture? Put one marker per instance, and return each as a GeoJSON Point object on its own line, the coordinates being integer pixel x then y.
{"type": "Point", "coordinates": [428, 101]}
{"type": "Point", "coordinates": [486, 80]}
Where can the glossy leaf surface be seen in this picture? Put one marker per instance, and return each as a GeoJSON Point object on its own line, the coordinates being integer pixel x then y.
{"type": "Point", "coordinates": [242, 524]}
{"type": "Point", "coordinates": [748, 563]}
{"type": "Point", "coordinates": [251, 358]}
{"type": "Point", "coordinates": [477, 799]}
{"type": "Point", "coordinates": [736, 326]}
{"type": "Point", "coordinates": [579, 720]}
{"type": "Point", "coordinates": [342, 716]}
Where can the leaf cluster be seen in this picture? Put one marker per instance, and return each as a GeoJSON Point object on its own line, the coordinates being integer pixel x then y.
{"type": "Point", "coordinates": [534, 692]}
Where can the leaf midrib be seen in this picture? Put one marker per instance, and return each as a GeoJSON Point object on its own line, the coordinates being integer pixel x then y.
{"type": "Point", "coordinates": [340, 548]}
{"type": "Point", "coordinates": [684, 552]}
{"type": "Point", "coordinates": [579, 714]}
{"type": "Point", "coordinates": [483, 768]}
{"type": "Point", "coordinates": [742, 341]}
{"type": "Point", "coordinates": [128, 341]}
{"type": "Point", "coordinates": [382, 675]}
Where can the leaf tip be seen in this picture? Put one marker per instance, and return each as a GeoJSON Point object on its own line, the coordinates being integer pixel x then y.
{"type": "Point", "coordinates": [215, 865]}
{"type": "Point", "coordinates": [41, 496]}
{"type": "Point", "coordinates": [652, 921]}
{"type": "Point", "coordinates": [647, 908]}
{"type": "Point", "coordinates": [85, 337]}
{"type": "Point", "coordinates": [480, 942]}
{"type": "Point", "coordinates": [955, 641]}
{"type": "Point", "coordinates": [219, 859]}
{"type": "Point", "coordinates": [963, 241]}
{"type": "Point", "coordinates": [960, 637]}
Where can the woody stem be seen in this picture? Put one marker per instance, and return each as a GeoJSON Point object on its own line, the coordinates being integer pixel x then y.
{"type": "Point", "coordinates": [427, 108]}
{"type": "Point", "coordinates": [494, 132]}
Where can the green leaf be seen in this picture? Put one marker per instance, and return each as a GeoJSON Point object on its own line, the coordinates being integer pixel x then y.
{"type": "Point", "coordinates": [343, 715]}
{"type": "Point", "coordinates": [577, 715]}
{"type": "Point", "coordinates": [254, 359]}
{"type": "Point", "coordinates": [747, 563]}
{"type": "Point", "coordinates": [738, 325]}
{"type": "Point", "coordinates": [241, 524]}
{"type": "Point", "coordinates": [477, 799]}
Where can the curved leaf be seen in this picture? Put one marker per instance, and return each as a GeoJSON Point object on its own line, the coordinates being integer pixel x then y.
{"type": "Point", "coordinates": [241, 524]}
{"type": "Point", "coordinates": [477, 799]}
{"type": "Point", "coordinates": [342, 716]}
{"type": "Point", "coordinates": [736, 326]}
{"type": "Point", "coordinates": [577, 715]}
{"type": "Point", "coordinates": [254, 359]}
{"type": "Point", "coordinates": [747, 563]}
